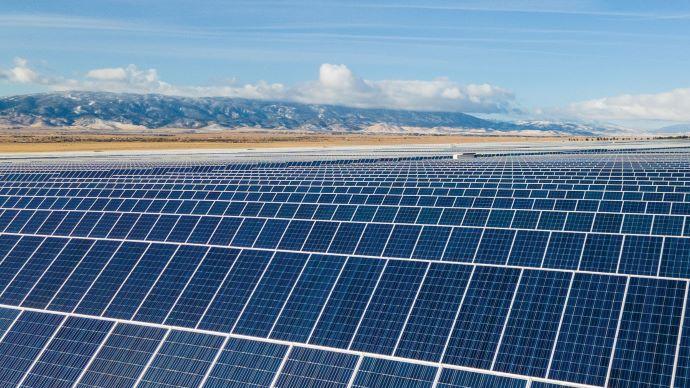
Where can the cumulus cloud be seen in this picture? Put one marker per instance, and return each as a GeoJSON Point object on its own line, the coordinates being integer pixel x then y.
{"type": "Point", "coordinates": [339, 85]}
{"type": "Point", "coordinates": [336, 84]}
{"type": "Point", "coordinates": [672, 105]}
{"type": "Point", "coordinates": [20, 73]}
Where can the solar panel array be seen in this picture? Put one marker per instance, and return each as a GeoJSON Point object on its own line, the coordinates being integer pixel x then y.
{"type": "Point", "coordinates": [508, 271]}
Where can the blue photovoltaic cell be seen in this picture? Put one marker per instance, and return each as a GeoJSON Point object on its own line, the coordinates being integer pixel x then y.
{"type": "Point", "coordinates": [23, 343]}
{"type": "Point", "coordinates": [139, 281]}
{"type": "Point", "coordinates": [320, 237]}
{"type": "Point", "coordinates": [389, 306]}
{"type": "Point", "coordinates": [402, 241]}
{"type": "Point", "coordinates": [683, 368]}
{"type": "Point", "coordinates": [432, 317]}
{"type": "Point", "coordinates": [373, 239]}
{"type": "Point", "coordinates": [585, 340]}
{"type": "Point", "coordinates": [641, 255]}
{"type": "Point", "coordinates": [607, 222]}
{"type": "Point", "coordinates": [44, 290]}
{"type": "Point", "coordinates": [202, 286]}
{"type": "Point", "coordinates": [271, 293]}
{"type": "Point", "coordinates": [500, 218]}
{"type": "Point", "coordinates": [452, 216]}
{"type": "Point", "coordinates": [531, 328]}
{"type": "Point", "coordinates": [601, 253]}
{"type": "Point", "coordinates": [674, 259]}
{"type": "Point", "coordinates": [182, 360]}
{"type": "Point", "coordinates": [453, 378]}
{"type": "Point", "coordinates": [182, 229]}
{"type": "Point", "coordinates": [271, 233]}
{"type": "Point", "coordinates": [7, 242]}
{"type": "Point", "coordinates": [104, 224]}
{"type": "Point", "coordinates": [495, 246]}
{"type": "Point", "coordinates": [313, 367]}
{"type": "Point", "coordinates": [7, 316]}
{"type": "Point", "coordinates": [246, 234]}
{"type": "Point", "coordinates": [122, 226]}
{"type": "Point", "coordinates": [307, 298]}
{"type": "Point", "coordinates": [162, 228]}
{"type": "Point", "coordinates": [68, 353]}
{"type": "Point", "coordinates": [295, 235]}
{"type": "Point", "coordinates": [225, 231]}
{"type": "Point", "coordinates": [564, 250]}
{"type": "Point", "coordinates": [525, 219]}
{"type": "Point", "coordinates": [203, 230]}
{"type": "Point", "coordinates": [344, 308]}
{"type": "Point", "coordinates": [552, 220]}
{"type": "Point", "coordinates": [79, 281]}
{"type": "Point", "coordinates": [648, 333]}
{"type": "Point", "coordinates": [667, 225]}
{"type": "Point", "coordinates": [475, 217]}
{"type": "Point", "coordinates": [462, 244]}
{"type": "Point", "coordinates": [235, 290]}
{"type": "Point", "coordinates": [122, 357]}
{"type": "Point", "coordinates": [375, 373]}
{"type": "Point", "coordinates": [346, 238]}
{"type": "Point", "coordinates": [169, 284]}
{"type": "Point", "coordinates": [637, 223]}
{"type": "Point", "coordinates": [431, 243]}
{"type": "Point", "coordinates": [245, 363]}
{"type": "Point", "coordinates": [481, 317]}
{"type": "Point", "coordinates": [108, 281]}
{"type": "Point", "coordinates": [579, 222]}
{"type": "Point", "coordinates": [31, 271]}
{"type": "Point", "coordinates": [142, 227]}
{"type": "Point", "coordinates": [528, 248]}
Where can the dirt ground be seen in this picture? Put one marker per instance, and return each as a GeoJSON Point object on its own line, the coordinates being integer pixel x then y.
{"type": "Point", "coordinates": [43, 141]}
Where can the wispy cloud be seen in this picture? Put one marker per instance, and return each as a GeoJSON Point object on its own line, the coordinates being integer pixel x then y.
{"type": "Point", "coordinates": [336, 84]}
{"type": "Point", "coordinates": [531, 7]}
{"type": "Point", "coordinates": [68, 22]}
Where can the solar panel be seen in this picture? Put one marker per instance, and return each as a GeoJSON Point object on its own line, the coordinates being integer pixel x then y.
{"type": "Point", "coordinates": [515, 270]}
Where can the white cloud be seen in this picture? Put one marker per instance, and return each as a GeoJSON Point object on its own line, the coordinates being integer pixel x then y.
{"type": "Point", "coordinates": [672, 105]}
{"type": "Point", "coordinates": [336, 84]}
{"type": "Point", "coordinates": [20, 73]}
{"type": "Point", "coordinates": [108, 74]}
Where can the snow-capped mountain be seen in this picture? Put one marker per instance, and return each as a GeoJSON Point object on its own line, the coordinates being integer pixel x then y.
{"type": "Point", "coordinates": [97, 110]}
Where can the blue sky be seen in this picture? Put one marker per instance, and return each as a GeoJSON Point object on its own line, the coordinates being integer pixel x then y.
{"type": "Point", "coordinates": [619, 61]}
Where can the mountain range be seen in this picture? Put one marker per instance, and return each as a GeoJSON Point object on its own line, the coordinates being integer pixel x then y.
{"type": "Point", "coordinates": [116, 111]}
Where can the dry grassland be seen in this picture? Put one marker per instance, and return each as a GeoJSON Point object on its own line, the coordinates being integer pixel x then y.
{"type": "Point", "coordinates": [50, 141]}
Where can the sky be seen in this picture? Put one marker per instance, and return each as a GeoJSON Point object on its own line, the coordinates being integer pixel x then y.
{"type": "Point", "coordinates": [623, 62]}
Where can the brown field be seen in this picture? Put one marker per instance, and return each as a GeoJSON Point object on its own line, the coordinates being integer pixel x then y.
{"type": "Point", "coordinates": [42, 141]}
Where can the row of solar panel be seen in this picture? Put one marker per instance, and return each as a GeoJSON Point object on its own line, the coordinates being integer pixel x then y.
{"type": "Point", "coordinates": [589, 200]}
{"type": "Point", "coordinates": [84, 352]}
{"type": "Point", "coordinates": [576, 327]}
{"type": "Point", "coordinates": [528, 168]}
{"type": "Point", "coordinates": [630, 165]}
{"type": "Point", "coordinates": [627, 206]}
{"type": "Point", "coordinates": [629, 168]}
{"type": "Point", "coordinates": [597, 252]}
{"type": "Point", "coordinates": [574, 221]}
{"type": "Point", "coordinates": [436, 177]}
{"type": "Point", "coordinates": [310, 209]}
{"type": "Point", "coordinates": [146, 167]}
{"type": "Point", "coordinates": [439, 187]}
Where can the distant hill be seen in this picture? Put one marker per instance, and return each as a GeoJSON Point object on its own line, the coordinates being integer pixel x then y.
{"type": "Point", "coordinates": [99, 110]}
{"type": "Point", "coordinates": [678, 129]}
